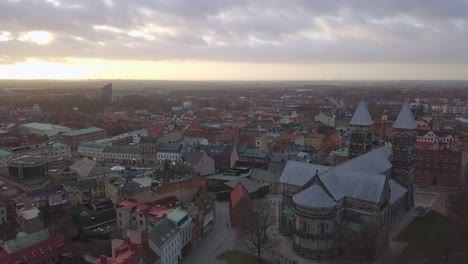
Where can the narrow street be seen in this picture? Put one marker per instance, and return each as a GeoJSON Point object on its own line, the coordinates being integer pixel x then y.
{"type": "Point", "coordinates": [218, 240]}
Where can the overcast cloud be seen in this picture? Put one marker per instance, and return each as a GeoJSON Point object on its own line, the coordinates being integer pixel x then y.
{"type": "Point", "coordinates": [276, 31]}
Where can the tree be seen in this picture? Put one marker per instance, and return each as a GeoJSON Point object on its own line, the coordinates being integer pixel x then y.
{"type": "Point", "coordinates": [361, 245]}
{"type": "Point", "coordinates": [257, 229]}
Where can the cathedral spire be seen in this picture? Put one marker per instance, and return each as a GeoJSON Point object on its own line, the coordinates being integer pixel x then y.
{"type": "Point", "coordinates": [361, 117]}
{"type": "Point", "coordinates": [405, 119]}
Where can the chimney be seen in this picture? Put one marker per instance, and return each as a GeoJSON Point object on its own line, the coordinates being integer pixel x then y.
{"type": "Point", "coordinates": [103, 259]}
{"type": "Point", "coordinates": [144, 238]}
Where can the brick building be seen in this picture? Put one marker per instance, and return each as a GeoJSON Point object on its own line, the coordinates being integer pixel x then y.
{"type": "Point", "coordinates": [239, 205]}
{"type": "Point", "coordinates": [438, 168]}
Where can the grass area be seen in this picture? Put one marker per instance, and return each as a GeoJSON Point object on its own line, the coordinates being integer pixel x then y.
{"type": "Point", "coordinates": [428, 237]}
{"type": "Point", "coordinates": [235, 257]}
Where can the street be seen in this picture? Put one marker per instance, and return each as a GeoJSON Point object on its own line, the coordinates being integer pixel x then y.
{"type": "Point", "coordinates": [218, 240]}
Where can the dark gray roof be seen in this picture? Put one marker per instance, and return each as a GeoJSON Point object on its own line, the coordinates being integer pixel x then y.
{"type": "Point", "coordinates": [264, 175]}
{"type": "Point", "coordinates": [397, 191]}
{"type": "Point", "coordinates": [359, 178]}
{"type": "Point", "coordinates": [249, 185]}
{"type": "Point", "coordinates": [361, 117]}
{"type": "Point", "coordinates": [192, 157]}
{"type": "Point", "coordinates": [405, 119]}
{"type": "Point", "coordinates": [162, 232]}
{"type": "Point", "coordinates": [314, 196]}
{"type": "Point", "coordinates": [83, 184]}
{"type": "Point", "coordinates": [354, 184]}
{"type": "Point", "coordinates": [376, 161]}
{"type": "Point", "coordinates": [299, 173]}
{"type": "Point", "coordinates": [169, 147]}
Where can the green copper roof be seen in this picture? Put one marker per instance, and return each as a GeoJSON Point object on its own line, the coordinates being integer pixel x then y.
{"type": "Point", "coordinates": [179, 216]}
{"type": "Point", "coordinates": [4, 153]}
{"type": "Point", "coordinates": [23, 240]}
{"type": "Point", "coordinates": [340, 153]}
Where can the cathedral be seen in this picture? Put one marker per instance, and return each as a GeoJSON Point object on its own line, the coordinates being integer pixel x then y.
{"type": "Point", "coordinates": [374, 185]}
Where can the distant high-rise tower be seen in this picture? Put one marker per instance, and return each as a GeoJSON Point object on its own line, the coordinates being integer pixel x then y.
{"type": "Point", "coordinates": [106, 94]}
{"type": "Point", "coordinates": [361, 131]}
{"type": "Point", "coordinates": [404, 151]}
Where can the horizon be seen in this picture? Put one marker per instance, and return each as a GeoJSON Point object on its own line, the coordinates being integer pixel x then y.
{"type": "Point", "coordinates": [236, 40]}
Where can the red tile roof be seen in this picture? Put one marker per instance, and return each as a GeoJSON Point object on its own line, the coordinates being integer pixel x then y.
{"type": "Point", "coordinates": [37, 253]}
{"type": "Point", "coordinates": [237, 194]}
{"type": "Point", "coordinates": [127, 204]}
{"type": "Point", "coordinates": [155, 130]}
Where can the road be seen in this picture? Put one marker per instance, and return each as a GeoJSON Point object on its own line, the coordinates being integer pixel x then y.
{"type": "Point", "coordinates": [218, 240]}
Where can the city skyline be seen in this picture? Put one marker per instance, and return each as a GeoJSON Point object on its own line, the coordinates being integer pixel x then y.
{"type": "Point", "coordinates": [236, 40]}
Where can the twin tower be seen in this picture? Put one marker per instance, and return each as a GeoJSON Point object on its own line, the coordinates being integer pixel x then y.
{"type": "Point", "coordinates": [403, 143]}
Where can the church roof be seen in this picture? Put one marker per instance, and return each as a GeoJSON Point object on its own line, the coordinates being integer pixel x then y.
{"type": "Point", "coordinates": [314, 196]}
{"type": "Point", "coordinates": [299, 173]}
{"type": "Point", "coordinates": [405, 119]}
{"type": "Point", "coordinates": [361, 117]}
{"type": "Point", "coordinates": [376, 161]}
{"type": "Point", "coordinates": [396, 191]}
{"type": "Point", "coordinates": [359, 178]}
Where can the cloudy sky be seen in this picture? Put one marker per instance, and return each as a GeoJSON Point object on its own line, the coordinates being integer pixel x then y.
{"type": "Point", "coordinates": [242, 39]}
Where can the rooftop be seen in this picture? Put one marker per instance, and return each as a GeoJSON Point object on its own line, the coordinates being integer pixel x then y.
{"type": "Point", "coordinates": [162, 232]}
{"type": "Point", "coordinates": [42, 126]}
{"type": "Point", "coordinates": [4, 153]}
{"type": "Point", "coordinates": [361, 117]}
{"type": "Point", "coordinates": [177, 215]}
{"type": "Point", "coordinates": [24, 240]}
{"type": "Point", "coordinates": [405, 119]}
{"type": "Point", "coordinates": [83, 131]}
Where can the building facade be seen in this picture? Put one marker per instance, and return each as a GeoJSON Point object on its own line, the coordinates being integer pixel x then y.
{"type": "Point", "coordinates": [319, 203]}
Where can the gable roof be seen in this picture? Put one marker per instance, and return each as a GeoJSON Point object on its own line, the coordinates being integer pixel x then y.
{"type": "Point", "coordinates": [265, 175]}
{"type": "Point", "coordinates": [299, 173]}
{"type": "Point", "coordinates": [23, 240]}
{"type": "Point", "coordinates": [237, 194]}
{"type": "Point", "coordinates": [162, 232]}
{"type": "Point", "coordinates": [361, 117]}
{"type": "Point", "coordinates": [359, 178]}
{"type": "Point", "coordinates": [396, 191]}
{"type": "Point", "coordinates": [249, 185]}
{"type": "Point", "coordinates": [375, 161]}
{"type": "Point", "coordinates": [405, 119]}
{"type": "Point", "coordinates": [192, 157]}
{"type": "Point", "coordinates": [86, 168]}
{"type": "Point", "coordinates": [314, 196]}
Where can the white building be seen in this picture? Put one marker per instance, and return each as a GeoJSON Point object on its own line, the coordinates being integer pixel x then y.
{"type": "Point", "coordinates": [261, 142]}
{"type": "Point", "coordinates": [5, 157]}
{"type": "Point", "coordinates": [50, 150]}
{"type": "Point", "coordinates": [164, 240]}
{"type": "Point", "coordinates": [91, 150]}
{"type": "Point", "coordinates": [328, 120]}
{"type": "Point", "coordinates": [136, 135]}
{"type": "Point", "coordinates": [169, 151]}
{"type": "Point", "coordinates": [181, 219]}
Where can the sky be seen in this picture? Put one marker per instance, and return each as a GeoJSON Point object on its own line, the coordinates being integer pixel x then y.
{"type": "Point", "coordinates": [234, 39]}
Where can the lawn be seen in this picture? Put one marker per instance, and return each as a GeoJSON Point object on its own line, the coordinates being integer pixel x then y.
{"type": "Point", "coordinates": [235, 257]}
{"type": "Point", "coordinates": [428, 237]}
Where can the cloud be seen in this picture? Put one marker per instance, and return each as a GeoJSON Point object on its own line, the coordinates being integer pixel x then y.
{"type": "Point", "coordinates": [276, 31]}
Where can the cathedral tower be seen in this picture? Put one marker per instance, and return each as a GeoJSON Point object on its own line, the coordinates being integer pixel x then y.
{"type": "Point", "coordinates": [361, 131]}
{"type": "Point", "coordinates": [404, 151]}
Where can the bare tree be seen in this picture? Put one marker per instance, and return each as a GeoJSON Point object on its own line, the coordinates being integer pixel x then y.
{"type": "Point", "coordinates": [361, 245]}
{"type": "Point", "coordinates": [257, 229]}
